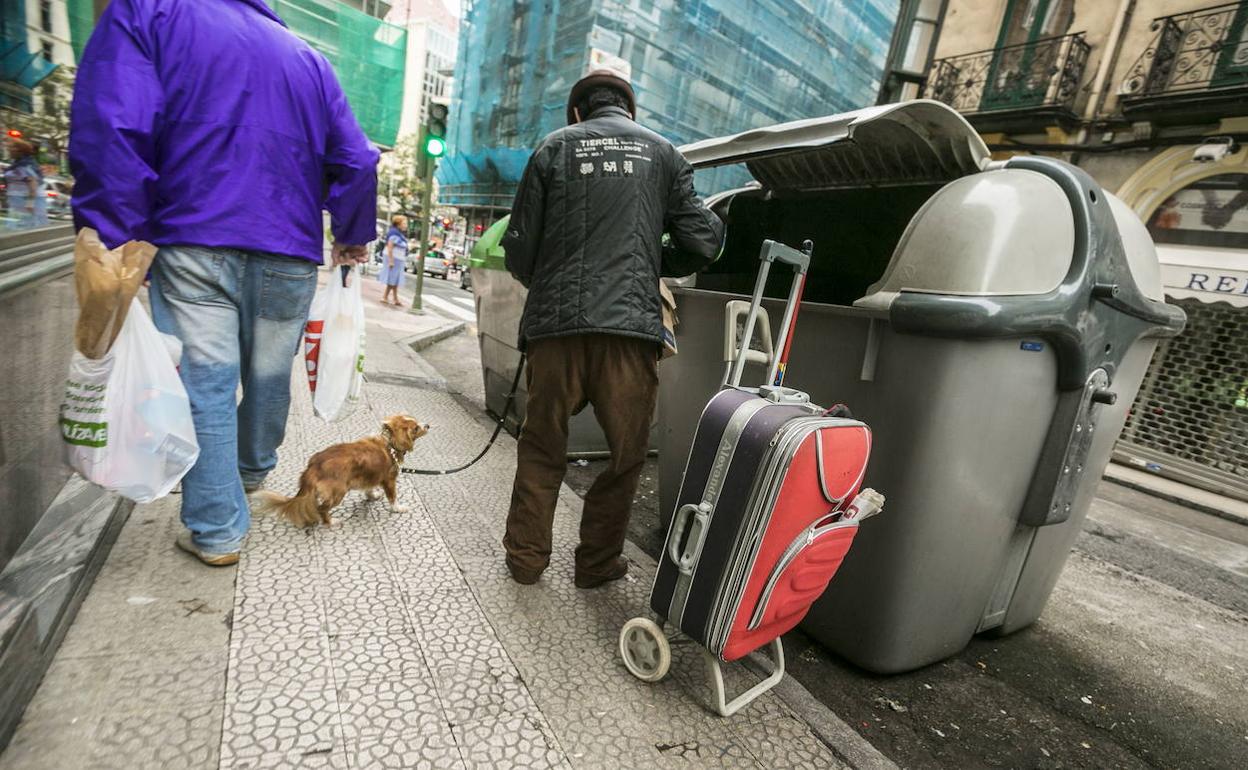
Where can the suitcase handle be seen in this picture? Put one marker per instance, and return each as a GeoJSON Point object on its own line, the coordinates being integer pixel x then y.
{"type": "Point", "coordinates": [773, 251]}
{"type": "Point", "coordinates": [734, 311]}
{"type": "Point", "coordinates": [686, 558]}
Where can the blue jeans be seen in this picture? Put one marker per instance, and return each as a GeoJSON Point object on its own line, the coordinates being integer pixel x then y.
{"type": "Point", "coordinates": [240, 316]}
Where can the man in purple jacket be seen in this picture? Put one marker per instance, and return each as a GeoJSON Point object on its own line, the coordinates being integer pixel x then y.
{"type": "Point", "coordinates": [208, 128]}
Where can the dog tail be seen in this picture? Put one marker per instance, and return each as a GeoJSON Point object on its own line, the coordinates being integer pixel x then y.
{"type": "Point", "coordinates": [300, 510]}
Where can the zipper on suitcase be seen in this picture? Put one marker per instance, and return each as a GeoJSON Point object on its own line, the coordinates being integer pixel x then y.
{"type": "Point", "coordinates": [807, 538]}
{"type": "Point", "coordinates": [752, 528]}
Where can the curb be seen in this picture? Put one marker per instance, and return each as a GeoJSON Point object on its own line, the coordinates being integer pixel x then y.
{"type": "Point", "coordinates": [1176, 499]}
{"type": "Point", "coordinates": [840, 739]}
{"type": "Point", "coordinates": [422, 341]}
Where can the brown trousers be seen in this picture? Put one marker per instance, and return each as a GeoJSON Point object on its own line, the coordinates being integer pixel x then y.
{"type": "Point", "coordinates": [619, 377]}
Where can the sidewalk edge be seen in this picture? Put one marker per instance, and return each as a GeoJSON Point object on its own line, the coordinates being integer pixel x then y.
{"type": "Point", "coordinates": [422, 341]}
{"type": "Point", "coordinates": [840, 739]}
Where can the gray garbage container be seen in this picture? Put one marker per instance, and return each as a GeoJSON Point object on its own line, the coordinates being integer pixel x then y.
{"type": "Point", "coordinates": [990, 321]}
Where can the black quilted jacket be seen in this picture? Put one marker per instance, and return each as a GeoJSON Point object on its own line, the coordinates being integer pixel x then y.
{"type": "Point", "coordinates": [587, 225]}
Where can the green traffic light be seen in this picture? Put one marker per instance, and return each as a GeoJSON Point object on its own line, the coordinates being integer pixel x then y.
{"type": "Point", "coordinates": [435, 146]}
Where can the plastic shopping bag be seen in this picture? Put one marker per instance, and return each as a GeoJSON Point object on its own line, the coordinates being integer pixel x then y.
{"type": "Point", "coordinates": [333, 345]}
{"type": "Point", "coordinates": [125, 418]}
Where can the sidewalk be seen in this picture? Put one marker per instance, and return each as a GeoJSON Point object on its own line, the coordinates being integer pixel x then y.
{"type": "Point", "coordinates": [390, 639]}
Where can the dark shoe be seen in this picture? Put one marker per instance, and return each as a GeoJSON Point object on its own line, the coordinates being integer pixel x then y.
{"type": "Point", "coordinates": [617, 570]}
{"type": "Point", "coordinates": [253, 485]}
{"type": "Point", "coordinates": [525, 577]}
{"type": "Point", "coordinates": [185, 542]}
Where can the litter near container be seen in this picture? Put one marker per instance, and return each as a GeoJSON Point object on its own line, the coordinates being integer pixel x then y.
{"type": "Point", "coordinates": [769, 506]}
{"type": "Point", "coordinates": [990, 320]}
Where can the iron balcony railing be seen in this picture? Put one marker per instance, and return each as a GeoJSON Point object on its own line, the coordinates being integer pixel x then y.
{"type": "Point", "coordinates": [1040, 74]}
{"type": "Point", "coordinates": [1200, 50]}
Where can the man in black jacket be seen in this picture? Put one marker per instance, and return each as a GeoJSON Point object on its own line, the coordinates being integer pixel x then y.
{"type": "Point", "coordinates": [585, 238]}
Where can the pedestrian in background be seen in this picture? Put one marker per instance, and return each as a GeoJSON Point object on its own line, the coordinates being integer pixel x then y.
{"type": "Point", "coordinates": [24, 186]}
{"type": "Point", "coordinates": [394, 258]}
{"type": "Point", "coordinates": [209, 129]}
{"type": "Point", "coordinates": [585, 239]}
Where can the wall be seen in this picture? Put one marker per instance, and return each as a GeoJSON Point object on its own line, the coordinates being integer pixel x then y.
{"type": "Point", "coordinates": [59, 36]}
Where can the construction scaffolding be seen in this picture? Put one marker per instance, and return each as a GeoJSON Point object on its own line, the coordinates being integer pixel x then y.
{"type": "Point", "coordinates": [368, 55]}
{"type": "Point", "coordinates": [700, 68]}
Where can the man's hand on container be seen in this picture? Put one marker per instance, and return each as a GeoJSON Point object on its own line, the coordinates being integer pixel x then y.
{"type": "Point", "coordinates": [344, 254]}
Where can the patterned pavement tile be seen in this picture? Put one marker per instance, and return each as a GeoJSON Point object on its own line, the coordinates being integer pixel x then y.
{"type": "Point", "coordinates": [517, 740]}
{"type": "Point", "coordinates": [474, 685]}
{"type": "Point", "coordinates": [377, 658]}
{"type": "Point", "coordinates": [346, 578]}
{"type": "Point", "coordinates": [389, 707]}
{"type": "Point", "coordinates": [293, 616]}
{"type": "Point", "coordinates": [314, 759]}
{"type": "Point", "coordinates": [365, 613]}
{"type": "Point", "coordinates": [431, 749]}
{"type": "Point", "coordinates": [295, 717]}
{"type": "Point", "coordinates": [268, 662]}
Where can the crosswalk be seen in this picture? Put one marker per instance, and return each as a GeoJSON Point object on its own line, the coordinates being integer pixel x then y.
{"type": "Point", "coordinates": [461, 308]}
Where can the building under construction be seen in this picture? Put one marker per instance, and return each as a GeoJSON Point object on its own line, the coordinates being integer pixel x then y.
{"type": "Point", "coordinates": [700, 68]}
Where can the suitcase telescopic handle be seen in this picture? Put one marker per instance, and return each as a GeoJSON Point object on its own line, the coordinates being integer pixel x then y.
{"type": "Point", "coordinates": [773, 251]}
{"type": "Point", "coordinates": [685, 558]}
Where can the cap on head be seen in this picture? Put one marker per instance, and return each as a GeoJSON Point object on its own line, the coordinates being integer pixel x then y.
{"type": "Point", "coordinates": [600, 74]}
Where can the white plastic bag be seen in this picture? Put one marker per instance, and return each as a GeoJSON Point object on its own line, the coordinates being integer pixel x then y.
{"type": "Point", "coordinates": [333, 345]}
{"type": "Point", "coordinates": [126, 419]}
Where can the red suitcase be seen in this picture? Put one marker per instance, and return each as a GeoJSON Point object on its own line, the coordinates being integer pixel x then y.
{"type": "Point", "coordinates": [768, 507]}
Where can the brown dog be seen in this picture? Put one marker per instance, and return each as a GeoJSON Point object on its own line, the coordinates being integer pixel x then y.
{"type": "Point", "coordinates": [365, 464]}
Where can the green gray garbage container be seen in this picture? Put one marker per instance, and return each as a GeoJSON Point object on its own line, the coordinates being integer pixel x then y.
{"type": "Point", "coordinates": [991, 321]}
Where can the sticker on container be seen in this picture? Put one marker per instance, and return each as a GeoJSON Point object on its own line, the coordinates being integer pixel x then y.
{"type": "Point", "coordinates": [1032, 346]}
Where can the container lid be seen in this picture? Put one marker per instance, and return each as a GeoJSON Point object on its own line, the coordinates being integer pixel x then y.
{"type": "Point", "coordinates": [914, 142]}
{"type": "Point", "coordinates": [1008, 232]}
{"type": "Point", "coordinates": [487, 252]}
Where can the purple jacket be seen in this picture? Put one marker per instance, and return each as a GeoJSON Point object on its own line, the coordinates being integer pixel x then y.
{"type": "Point", "coordinates": [208, 123]}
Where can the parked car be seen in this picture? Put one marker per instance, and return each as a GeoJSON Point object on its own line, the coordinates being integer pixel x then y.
{"type": "Point", "coordinates": [59, 190]}
{"type": "Point", "coordinates": [436, 263]}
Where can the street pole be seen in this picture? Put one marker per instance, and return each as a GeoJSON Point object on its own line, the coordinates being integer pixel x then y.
{"type": "Point", "coordinates": [426, 213]}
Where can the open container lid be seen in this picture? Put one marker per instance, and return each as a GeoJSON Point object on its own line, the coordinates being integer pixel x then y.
{"type": "Point", "coordinates": [914, 142]}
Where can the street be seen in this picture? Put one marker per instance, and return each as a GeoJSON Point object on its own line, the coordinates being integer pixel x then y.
{"type": "Point", "coordinates": [1148, 622]}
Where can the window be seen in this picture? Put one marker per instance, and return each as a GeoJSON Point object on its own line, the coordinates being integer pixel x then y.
{"type": "Point", "coordinates": [921, 38]}
{"type": "Point", "coordinates": [47, 50]}
{"type": "Point", "coordinates": [45, 17]}
{"type": "Point", "coordinates": [910, 56]}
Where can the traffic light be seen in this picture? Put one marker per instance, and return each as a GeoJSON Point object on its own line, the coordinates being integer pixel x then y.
{"type": "Point", "coordinates": [13, 132]}
{"type": "Point", "coordinates": [435, 130]}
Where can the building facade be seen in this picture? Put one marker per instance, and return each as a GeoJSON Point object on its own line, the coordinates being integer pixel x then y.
{"type": "Point", "coordinates": [432, 44]}
{"type": "Point", "coordinates": [1150, 97]}
{"type": "Point", "coordinates": [700, 68]}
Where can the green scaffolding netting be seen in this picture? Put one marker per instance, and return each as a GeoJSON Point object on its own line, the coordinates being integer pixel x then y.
{"type": "Point", "coordinates": [81, 22]}
{"type": "Point", "coordinates": [368, 55]}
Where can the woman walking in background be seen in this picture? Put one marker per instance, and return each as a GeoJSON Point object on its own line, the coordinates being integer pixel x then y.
{"type": "Point", "coordinates": [24, 184]}
{"type": "Point", "coordinates": [394, 261]}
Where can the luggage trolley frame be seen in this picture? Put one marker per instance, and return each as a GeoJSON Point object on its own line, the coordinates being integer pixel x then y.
{"type": "Point", "coordinates": [643, 645]}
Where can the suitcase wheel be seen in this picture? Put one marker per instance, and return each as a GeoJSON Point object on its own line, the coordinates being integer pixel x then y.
{"type": "Point", "coordinates": [645, 650]}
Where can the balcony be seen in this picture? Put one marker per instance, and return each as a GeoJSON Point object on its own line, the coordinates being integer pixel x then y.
{"type": "Point", "coordinates": [1195, 68]}
{"type": "Point", "coordinates": [1017, 87]}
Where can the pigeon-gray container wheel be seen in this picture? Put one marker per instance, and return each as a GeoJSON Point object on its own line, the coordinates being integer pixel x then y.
{"type": "Point", "coordinates": [645, 650]}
